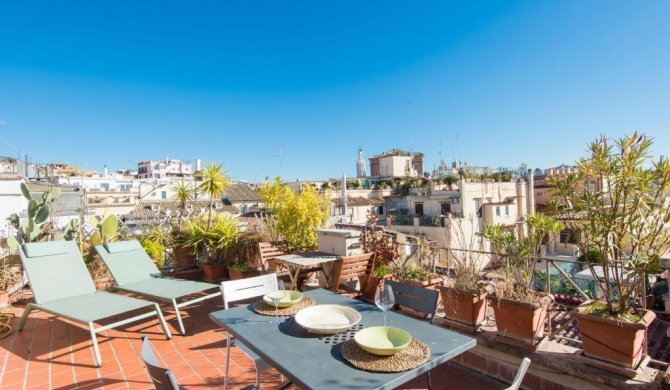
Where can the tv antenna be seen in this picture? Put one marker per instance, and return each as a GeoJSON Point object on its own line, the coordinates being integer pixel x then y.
{"type": "Point", "coordinates": [280, 149]}
{"type": "Point", "coordinates": [409, 123]}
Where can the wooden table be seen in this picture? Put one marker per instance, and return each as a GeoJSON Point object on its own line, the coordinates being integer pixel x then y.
{"type": "Point", "coordinates": [315, 362]}
{"type": "Point", "coordinates": [307, 261]}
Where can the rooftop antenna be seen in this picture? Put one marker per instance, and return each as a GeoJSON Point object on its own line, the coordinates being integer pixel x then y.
{"type": "Point", "coordinates": [280, 148]}
{"type": "Point", "coordinates": [409, 123]}
{"type": "Point", "coordinates": [17, 150]}
{"type": "Point", "coordinates": [458, 147]}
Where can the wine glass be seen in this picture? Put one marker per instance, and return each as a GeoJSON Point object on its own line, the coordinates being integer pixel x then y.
{"type": "Point", "coordinates": [276, 297]}
{"type": "Point", "coordinates": [384, 298]}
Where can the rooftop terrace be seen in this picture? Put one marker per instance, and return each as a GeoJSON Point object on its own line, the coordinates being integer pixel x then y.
{"type": "Point", "coordinates": [53, 353]}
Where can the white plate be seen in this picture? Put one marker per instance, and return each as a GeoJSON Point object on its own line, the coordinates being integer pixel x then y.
{"type": "Point", "coordinates": [327, 319]}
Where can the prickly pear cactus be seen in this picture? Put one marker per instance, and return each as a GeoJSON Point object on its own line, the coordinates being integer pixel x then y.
{"type": "Point", "coordinates": [106, 230]}
{"type": "Point", "coordinates": [38, 213]}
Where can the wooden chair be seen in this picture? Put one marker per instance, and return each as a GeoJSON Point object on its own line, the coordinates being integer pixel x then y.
{"type": "Point", "coordinates": [349, 269]}
{"type": "Point", "coordinates": [268, 251]}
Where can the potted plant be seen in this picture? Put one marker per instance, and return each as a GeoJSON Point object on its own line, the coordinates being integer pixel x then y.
{"type": "Point", "coordinates": [183, 194]}
{"type": "Point", "coordinates": [10, 276]}
{"type": "Point", "coordinates": [213, 242]}
{"type": "Point", "coordinates": [370, 282]}
{"type": "Point", "coordinates": [241, 271]}
{"type": "Point", "coordinates": [414, 275]}
{"type": "Point", "coordinates": [616, 206]}
{"type": "Point", "coordinates": [189, 243]}
{"type": "Point", "coordinates": [154, 242]}
{"type": "Point", "coordinates": [464, 293]}
{"type": "Point", "coordinates": [520, 311]}
{"type": "Point", "coordinates": [385, 252]}
{"type": "Point", "coordinates": [418, 268]}
{"type": "Point", "coordinates": [450, 180]}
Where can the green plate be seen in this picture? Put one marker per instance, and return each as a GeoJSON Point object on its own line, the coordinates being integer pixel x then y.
{"type": "Point", "coordinates": [290, 298]}
{"type": "Point", "coordinates": [382, 340]}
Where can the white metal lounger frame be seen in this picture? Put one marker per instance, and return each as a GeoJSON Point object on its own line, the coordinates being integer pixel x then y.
{"type": "Point", "coordinates": [134, 271]}
{"type": "Point", "coordinates": [62, 286]}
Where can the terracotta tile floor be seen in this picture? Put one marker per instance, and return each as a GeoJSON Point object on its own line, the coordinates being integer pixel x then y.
{"type": "Point", "coordinates": [53, 353]}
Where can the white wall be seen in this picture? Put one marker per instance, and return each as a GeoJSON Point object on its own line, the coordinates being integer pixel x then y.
{"type": "Point", "coordinates": [11, 200]}
{"type": "Point", "coordinates": [394, 166]}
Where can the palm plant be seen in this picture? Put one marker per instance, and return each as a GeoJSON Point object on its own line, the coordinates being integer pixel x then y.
{"type": "Point", "coordinates": [215, 182]}
{"type": "Point", "coordinates": [211, 244]}
{"type": "Point", "coordinates": [183, 193]}
{"type": "Point", "coordinates": [450, 179]}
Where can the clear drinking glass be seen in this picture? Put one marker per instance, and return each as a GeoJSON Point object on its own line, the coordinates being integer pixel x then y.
{"type": "Point", "coordinates": [276, 297]}
{"type": "Point", "coordinates": [384, 298]}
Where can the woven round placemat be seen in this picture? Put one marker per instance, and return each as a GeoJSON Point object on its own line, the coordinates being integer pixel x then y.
{"type": "Point", "coordinates": [261, 307]}
{"type": "Point", "coordinates": [411, 357]}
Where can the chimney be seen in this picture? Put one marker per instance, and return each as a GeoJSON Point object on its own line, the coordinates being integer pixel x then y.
{"type": "Point", "coordinates": [197, 164]}
{"type": "Point", "coordinates": [105, 170]}
{"type": "Point", "coordinates": [344, 193]}
{"type": "Point", "coordinates": [531, 192]}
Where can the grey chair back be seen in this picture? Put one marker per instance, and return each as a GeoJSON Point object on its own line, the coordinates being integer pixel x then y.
{"type": "Point", "coordinates": [415, 297]}
{"type": "Point", "coordinates": [162, 378]}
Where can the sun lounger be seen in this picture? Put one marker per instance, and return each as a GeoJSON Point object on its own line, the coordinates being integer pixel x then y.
{"type": "Point", "coordinates": [62, 286]}
{"type": "Point", "coordinates": [134, 272]}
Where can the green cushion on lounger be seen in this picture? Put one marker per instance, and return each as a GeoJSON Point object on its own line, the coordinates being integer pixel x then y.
{"type": "Point", "coordinates": [123, 246]}
{"type": "Point", "coordinates": [51, 248]}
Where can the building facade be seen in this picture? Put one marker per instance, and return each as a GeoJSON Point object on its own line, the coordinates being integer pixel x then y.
{"type": "Point", "coordinates": [396, 163]}
{"type": "Point", "coordinates": [164, 169]}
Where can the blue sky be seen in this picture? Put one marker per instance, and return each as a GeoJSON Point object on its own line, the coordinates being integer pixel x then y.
{"type": "Point", "coordinates": [494, 83]}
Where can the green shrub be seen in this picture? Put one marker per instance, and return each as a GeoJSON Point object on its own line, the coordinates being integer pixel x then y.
{"type": "Point", "coordinates": [156, 251]}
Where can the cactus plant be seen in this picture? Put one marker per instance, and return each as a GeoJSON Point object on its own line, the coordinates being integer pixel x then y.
{"type": "Point", "coordinates": [38, 213]}
{"type": "Point", "coordinates": [106, 230]}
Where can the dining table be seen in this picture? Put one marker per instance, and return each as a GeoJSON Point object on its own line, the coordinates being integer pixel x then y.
{"type": "Point", "coordinates": [314, 361]}
{"type": "Point", "coordinates": [307, 262]}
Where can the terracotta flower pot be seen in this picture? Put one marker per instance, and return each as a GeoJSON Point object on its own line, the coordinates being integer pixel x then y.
{"type": "Point", "coordinates": [520, 321]}
{"type": "Point", "coordinates": [215, 272]}
{"type": "Point", "coordinates": [369, 292]}
{"type": "Point", "coordinates": [611, 340]}
{"type": "Point", "coordinates": [183, 256]}
{"type": "Point", "coordinates": [236, 274]}
{"type": "Point", "coordinates": [466, 307]}
{"type": "Point", "coordinates": [431, 284]}
{"type": "Point", "coordinates": [184, 273]}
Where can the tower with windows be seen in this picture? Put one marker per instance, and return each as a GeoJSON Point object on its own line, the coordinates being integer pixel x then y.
{"type": "Point", "coordinates": [360, 165]}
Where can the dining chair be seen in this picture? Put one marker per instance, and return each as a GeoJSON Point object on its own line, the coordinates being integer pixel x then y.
{"type": "Point", "coordinates": [162, 378]}
{"type": "Point", "coordinates": [239, 290]}
{"type": "Point", "coordinates": [519, 375]}
{"type": "Point", "coordinates": [416, 298]}
{"type": "Point", "coordinates": [268, 252]}
{"type": "Point", "coordinates": [352, 268]}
